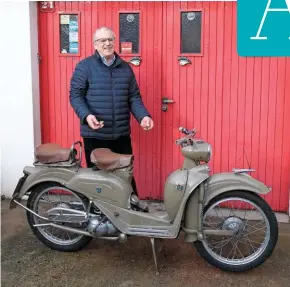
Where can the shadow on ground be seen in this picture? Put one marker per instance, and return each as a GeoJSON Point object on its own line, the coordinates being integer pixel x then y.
{"type": "Point", "coordinates": [26, 262]}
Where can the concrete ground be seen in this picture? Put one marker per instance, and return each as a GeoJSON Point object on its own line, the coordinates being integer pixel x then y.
{"type": "Point", "coordinates": [26, 262]}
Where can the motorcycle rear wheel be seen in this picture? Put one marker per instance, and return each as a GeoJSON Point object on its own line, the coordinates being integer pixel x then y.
{"type": "Point", "coordinates": [50, 239]}
{"type": "Point", "coordinates": [241, 239]}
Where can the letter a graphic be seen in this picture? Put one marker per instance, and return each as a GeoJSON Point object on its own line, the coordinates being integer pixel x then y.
{"type": "Point", "coordinates": [267, 9]}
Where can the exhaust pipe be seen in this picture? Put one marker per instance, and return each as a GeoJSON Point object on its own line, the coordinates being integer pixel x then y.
{"type": "Point", "coordinates": [78, 231]}
{"type": "Point", "coordinates": [122, 237]}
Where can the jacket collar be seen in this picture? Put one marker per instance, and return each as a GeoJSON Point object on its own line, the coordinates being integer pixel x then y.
{"type": "Point", "coordinates": [118, 59]}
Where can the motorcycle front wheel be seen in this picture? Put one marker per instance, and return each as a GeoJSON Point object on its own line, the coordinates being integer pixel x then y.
{"type": "Point", "coordinates": [255, 231]}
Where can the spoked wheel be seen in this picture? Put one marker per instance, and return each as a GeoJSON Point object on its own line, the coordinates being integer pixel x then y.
{"type": "Point", "coordinates": [49, 195]}
{"type": "Point", "coordinates": [255, 231]}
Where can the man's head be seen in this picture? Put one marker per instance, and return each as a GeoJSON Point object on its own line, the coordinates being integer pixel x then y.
{"type": "Point", "coordinates": [104, 41]}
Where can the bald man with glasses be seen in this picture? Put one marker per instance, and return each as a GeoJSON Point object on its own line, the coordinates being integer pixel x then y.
{"type": "Point", "coordinates": [103, 93]}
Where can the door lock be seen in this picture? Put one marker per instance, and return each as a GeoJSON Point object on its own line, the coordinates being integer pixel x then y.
{"type": "Point", "coordinates": [164, 108]}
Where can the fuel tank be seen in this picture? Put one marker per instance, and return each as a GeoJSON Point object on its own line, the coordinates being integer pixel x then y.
{"type": "Point", "coordinates": [174, 190]}
{"type": "Point", "coordinates": [111, 187]}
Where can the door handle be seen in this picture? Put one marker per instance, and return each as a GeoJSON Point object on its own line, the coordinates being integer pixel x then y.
{"type": "Point", "coordinates": [165, 101]}
{"type": "Point", "coordinates": [136, 61]}
{"type": "Point", "coordinates": [183, 61]}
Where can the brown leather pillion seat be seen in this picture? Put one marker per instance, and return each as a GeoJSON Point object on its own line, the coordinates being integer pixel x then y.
{"type": "Point", "coordinates": [52, 153]}
{"type": "Point", "coordinates": [105, 159]}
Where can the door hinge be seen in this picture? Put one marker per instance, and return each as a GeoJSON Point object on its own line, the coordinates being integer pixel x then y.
{"type": "Point", "coordinates": [39, 58]}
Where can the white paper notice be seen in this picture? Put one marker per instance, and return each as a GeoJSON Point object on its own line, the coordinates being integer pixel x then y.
{"type": "Point", "coordinates": [73, 36]}
{"type": "Point", "coordinates": [64, 19]}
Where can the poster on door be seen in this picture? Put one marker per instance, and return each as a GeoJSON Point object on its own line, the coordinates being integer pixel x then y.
{"type": "Point", "coordinates": [126, 47]}
{"type": "Point", "coordinates": [73, 36]}
{"type": "Point", "coordinates": [73, 47]}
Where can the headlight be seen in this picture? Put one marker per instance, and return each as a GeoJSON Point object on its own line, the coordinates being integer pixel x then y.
{"type": "Point", "coordinates": [209, 152]}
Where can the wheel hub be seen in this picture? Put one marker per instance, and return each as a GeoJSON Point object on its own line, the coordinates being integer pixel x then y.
{"type": "Point", "coordinates": [63, 205]}
{"type": "Point", "coordinates": [235, 224]}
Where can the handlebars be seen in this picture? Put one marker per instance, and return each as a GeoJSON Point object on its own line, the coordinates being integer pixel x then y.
{"type": "Point", "coordinates": [186, 139]}
{"type": "Point", "coordinates": [187, 132]}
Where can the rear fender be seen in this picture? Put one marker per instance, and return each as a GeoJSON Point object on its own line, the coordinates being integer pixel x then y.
{"type": "Point", "coordinates": [35, 175]}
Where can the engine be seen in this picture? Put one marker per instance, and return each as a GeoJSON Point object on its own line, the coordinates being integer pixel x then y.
{"type": "Point", "coordinates": [101, 226]}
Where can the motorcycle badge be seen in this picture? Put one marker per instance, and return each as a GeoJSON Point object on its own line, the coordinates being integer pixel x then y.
{"type": "Point", "coordinates": [179, 187]}
{"type": "Point", "coordinates": [98, 189]}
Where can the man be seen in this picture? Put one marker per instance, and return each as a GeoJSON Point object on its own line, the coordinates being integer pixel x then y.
{"type": "Point", "coordinates": [103, 93]}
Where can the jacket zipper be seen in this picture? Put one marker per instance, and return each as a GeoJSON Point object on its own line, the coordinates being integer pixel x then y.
{"type": "Point", "coordinates": [113, 134]}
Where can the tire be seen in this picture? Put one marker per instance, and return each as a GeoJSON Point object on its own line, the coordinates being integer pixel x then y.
{"type": "Point", "coordinates": [81, 243]}
{"type": "Point", "coordinates": [263, 205]}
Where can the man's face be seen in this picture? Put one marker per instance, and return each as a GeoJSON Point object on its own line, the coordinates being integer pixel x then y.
{"type": "Point", "coordinates": [105, 43]}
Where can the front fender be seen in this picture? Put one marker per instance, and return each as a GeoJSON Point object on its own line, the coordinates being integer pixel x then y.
{"type": "Point", "coordinates": [213, 186]}
{"type": "Point", "coordinates": [38, 174]}
{"type": "Point", "coordinates": [224, 182]}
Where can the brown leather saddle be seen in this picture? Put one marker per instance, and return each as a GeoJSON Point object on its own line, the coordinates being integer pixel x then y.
{"type": "Point", "coordinates": [105, 159]}
{"type": "Point", "coordinates": [52, 153]}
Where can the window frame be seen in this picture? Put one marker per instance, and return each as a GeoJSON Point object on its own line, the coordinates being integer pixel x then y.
{"type": "Point", "coordinates": [201, 32]}
{"type": "Point", "coordinates": [78, 13]}
{"type": "Point", "coordinates": [118, 33]}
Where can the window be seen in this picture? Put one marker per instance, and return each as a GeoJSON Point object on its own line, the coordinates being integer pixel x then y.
{"type": "Point", "coordinates": [191, 32]}
{"type": "Point", "coordinates": [129, 26]}
{"type": "Point", "coordinates": [69, 33]}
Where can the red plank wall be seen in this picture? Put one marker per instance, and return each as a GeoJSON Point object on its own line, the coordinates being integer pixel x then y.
{"type": "Point", "coordinates": [235, 103]}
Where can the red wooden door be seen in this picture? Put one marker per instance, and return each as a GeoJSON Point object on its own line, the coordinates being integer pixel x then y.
{"type": "Point", "coordinates": [236, 104]}
{"type": "Point", "coordinates": [146, 144]}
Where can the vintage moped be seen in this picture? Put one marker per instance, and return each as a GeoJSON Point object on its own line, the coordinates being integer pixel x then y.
{"type": "Point", "coordinates": [224, 215]}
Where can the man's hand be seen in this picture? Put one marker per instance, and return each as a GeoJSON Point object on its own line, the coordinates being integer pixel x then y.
{"type": "Point", "coordinates": [94, 123]}
{"type": "Point", "coordinates": [147, 123]}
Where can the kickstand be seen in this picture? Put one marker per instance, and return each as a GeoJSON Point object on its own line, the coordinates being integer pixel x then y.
{"type": "Point", "coordinates": [154, 254]}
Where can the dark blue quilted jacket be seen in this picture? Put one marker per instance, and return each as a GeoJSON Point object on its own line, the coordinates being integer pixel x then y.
{"type": "Point", "coordinates": [109, 93]}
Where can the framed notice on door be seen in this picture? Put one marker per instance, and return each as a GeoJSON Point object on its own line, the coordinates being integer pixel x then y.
{"type": "Point", "coordinates": [126, 47]}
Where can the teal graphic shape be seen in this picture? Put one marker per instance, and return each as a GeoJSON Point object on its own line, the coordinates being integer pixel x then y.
{"type": "Point", "coordinates": [263, 28]}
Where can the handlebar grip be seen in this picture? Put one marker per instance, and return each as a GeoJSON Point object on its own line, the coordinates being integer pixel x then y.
{"type": "Point", "coordinates": [184, 130]}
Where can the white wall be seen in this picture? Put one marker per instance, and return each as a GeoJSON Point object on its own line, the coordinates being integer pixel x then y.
{"type": "Point", "coordinates": [19, 91]}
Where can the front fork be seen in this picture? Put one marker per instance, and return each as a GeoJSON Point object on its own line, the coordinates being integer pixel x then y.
{"type": "Point", "coordinates": [201, 204]}
{"type": "Point", "coordinates": [194, 215]}
{"type": "Point", "coordinates": [194, 229]}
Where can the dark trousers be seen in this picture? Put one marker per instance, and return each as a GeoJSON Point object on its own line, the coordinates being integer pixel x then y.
{"type": "Point", "coordinates": [122, 145]}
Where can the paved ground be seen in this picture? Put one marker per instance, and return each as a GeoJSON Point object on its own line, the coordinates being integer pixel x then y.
{"type": "Point", "coordinates": [26, 262]}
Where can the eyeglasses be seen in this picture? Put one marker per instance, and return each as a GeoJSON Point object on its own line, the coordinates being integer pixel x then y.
{"type": "Point", "coordinates": [104, 40]}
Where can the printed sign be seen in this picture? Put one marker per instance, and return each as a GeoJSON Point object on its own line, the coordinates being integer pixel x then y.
{"type": "Point", "coordinates": [73, 47]}
{"type": "Point", "coordinates": [73, 36]}
{"type": "Point", "coordinates": [73, 26]}
{"type": "Point", "coordinates": [126, 47]}
{"type": "Point", "coordinates": [263, 27]}
{"type": "Point", "coordinates": [64, 19]}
